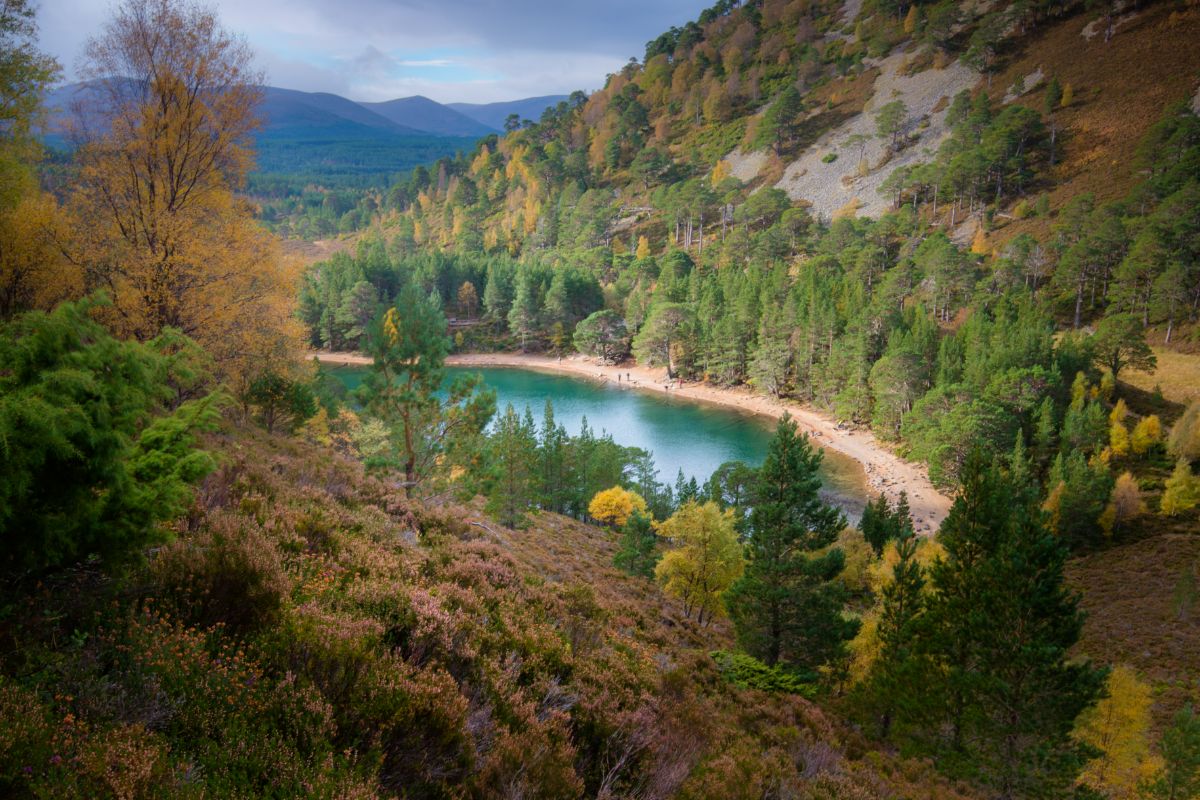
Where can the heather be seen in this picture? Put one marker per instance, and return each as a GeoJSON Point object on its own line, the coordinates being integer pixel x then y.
{"type": "Point", "coordinates": [311, 632]}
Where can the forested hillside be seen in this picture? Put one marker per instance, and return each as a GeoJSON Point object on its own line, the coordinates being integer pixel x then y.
{"type": "Point", "coordinates": [676, 206]}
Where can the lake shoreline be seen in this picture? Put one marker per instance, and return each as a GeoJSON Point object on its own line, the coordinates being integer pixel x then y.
{"type": "Point", "coordinates": [885, 471]}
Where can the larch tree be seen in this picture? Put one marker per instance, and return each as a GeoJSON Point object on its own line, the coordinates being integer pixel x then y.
{"type": "Point", "coordinates": [787, 606]}
{"type": "Point", "coordinates": [32, 271]}
{"type": "Point", "coordinates": [1184, 440]}
{"type": "Point", "coordinates": [706, 560]}
{"type": "Point", "coordinates": [163, 135]}
{"type": "Point", "coordinates": [468, 299]}
{"type": "Point", "coordinates": [1119, 728]}
{"type": "Point", "coordinates": [1181, 491]}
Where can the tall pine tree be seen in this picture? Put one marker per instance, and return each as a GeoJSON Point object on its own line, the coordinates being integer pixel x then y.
{"type": "Point", "coordinates": [787, 607]}
{"type": "Point", "coordinates": [1001, 690]}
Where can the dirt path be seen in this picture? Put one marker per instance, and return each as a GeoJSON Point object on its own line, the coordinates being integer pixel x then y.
{"type": "Point", "coordinates": [885, 471]}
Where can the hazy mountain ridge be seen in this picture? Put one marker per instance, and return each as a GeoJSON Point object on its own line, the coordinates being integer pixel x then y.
{"type": "Point", "coordinates": [429, 115]}
{"type": "Point", "coordinates": [336, 139]}
{"type": "Point", "coordinates": [495, 114]}
{"type": "Point", "coordinates": [411, 116]}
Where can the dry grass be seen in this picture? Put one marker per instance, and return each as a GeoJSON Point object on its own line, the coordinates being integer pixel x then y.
{"type": "Point", "coordinates": [1121, 88]}
{"type": "Point", "coordinates": [1177, 376]}
{"type": "Point", "coordinates": [1141, 612]}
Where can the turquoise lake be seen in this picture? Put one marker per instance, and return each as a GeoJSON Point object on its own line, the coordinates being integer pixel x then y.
{"type": "Point", "coordinates": [681, 434]}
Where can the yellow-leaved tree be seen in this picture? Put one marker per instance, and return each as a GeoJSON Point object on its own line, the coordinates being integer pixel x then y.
{"type": "Point", "coordinates": [163, 134]}
{"type": "Point", "coordinates": [1182, 490]}
{"type": "Point", "coordinates": [1119, 726]}
{"type": "Point", "coordinates": [1184, 441]}
{"type": "Point", "coordinates": [643, 248]}
{"type": "Point", "coordinates": [706, 560]}
{"type": "Point", "coordinates": [613, 506]}
{"type": "Point", "coordinates": [33, 274]}
{"type": "Point", "coordinates": [1124, 504]}
{"type": "Point", "coordinates": [1118, 438]}
{"type": "Point", "coordinates": [1146, 434]}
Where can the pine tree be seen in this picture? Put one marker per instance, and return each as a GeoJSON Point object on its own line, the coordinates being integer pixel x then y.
{"type": "Point", "coordinates": [554, 476]}
{"type": "Point", "coordinates": [638, 553]}
{"type": "Point", "coordinates": [523, 315]}
{"type": "Point", "coordinates": [511, 490]}
{"type": "Point", "coordinates": [873, 524]}
{"type": "Point", "coordinates": [497, 293]}
{"type": "Point", "coordinates": [1000, 624]}
{"type": "Point", "coordinates": [1180, 776]}
{"type": "Point", "coordinates": [902, 603]}
{"type": "Point", "coordinates": [1054, 95]}
{"type": "Point", "coordinates": [409, 346]}
{"type": "Point", "coordinates": [787, 607]}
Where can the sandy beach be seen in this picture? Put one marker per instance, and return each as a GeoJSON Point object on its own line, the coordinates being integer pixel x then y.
{"type": "Point", "coordinates": [885, 471]}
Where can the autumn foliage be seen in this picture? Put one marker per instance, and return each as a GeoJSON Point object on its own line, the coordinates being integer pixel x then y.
{"type": "Point", "coordinates": [613, 506]}
{"type": "Point", "coordinates": [163, 140]}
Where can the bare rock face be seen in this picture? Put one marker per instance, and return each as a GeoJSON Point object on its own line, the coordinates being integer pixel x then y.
{"type": "Point", "coordinates": [862, 161]}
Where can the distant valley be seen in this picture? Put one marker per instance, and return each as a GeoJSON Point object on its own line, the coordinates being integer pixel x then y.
{"type": "Point", "coordinates": [337, 141]}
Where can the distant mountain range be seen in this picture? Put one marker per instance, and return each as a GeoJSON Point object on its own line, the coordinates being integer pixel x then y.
{"type": "Point", "coordinates": [494, 114]}
{"type": "Point", "coordinates": [328, 136]}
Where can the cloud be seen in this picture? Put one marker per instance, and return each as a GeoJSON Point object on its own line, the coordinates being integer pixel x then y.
{"type": "Point", "coordinates": [468, 50]}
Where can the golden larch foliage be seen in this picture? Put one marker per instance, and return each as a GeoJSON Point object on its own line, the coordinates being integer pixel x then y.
{"type": "Point", "coordinates": [165, 139]}
{"type": "Point", "coordinates": [720, 172]}
{"type": "Point", "coordinates": [1124, 504]}
{"type": "Point", "coordinates": [1146, 434]}
{"type": "Point", "coordinates": [614, 506]}
{"type": "Point", "coordinates": [1182, 490]}
{"type": "Point", "coordinates": [706, 561]}
{"type": "Point", "coordinates": [643, 247]}
{"type": "Point", "coordinates": [1119, 725]}
{"type": "Point", "coordinates": [1118, 438]}
{"type": "Point", "coordinates": [979, 245]}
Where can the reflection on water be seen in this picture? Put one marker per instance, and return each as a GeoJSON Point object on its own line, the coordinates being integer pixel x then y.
{"type": "Point", "coordinates": [681, 434]}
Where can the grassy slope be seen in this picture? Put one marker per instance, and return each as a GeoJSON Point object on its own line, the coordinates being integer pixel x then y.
{"type": "Point", "coordinates": [1121, 88]}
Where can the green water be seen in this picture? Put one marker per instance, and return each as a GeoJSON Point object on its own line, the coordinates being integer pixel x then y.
{"type": "Point", "coordinates": [681, 434]}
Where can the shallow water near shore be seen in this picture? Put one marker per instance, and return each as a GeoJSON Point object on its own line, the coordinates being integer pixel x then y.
{"type": "Point", "coordinates": [685, 435]}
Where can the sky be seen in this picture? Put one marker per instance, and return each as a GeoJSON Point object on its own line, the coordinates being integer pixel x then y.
{"type": "Point", "coordinates": [473, 51]}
